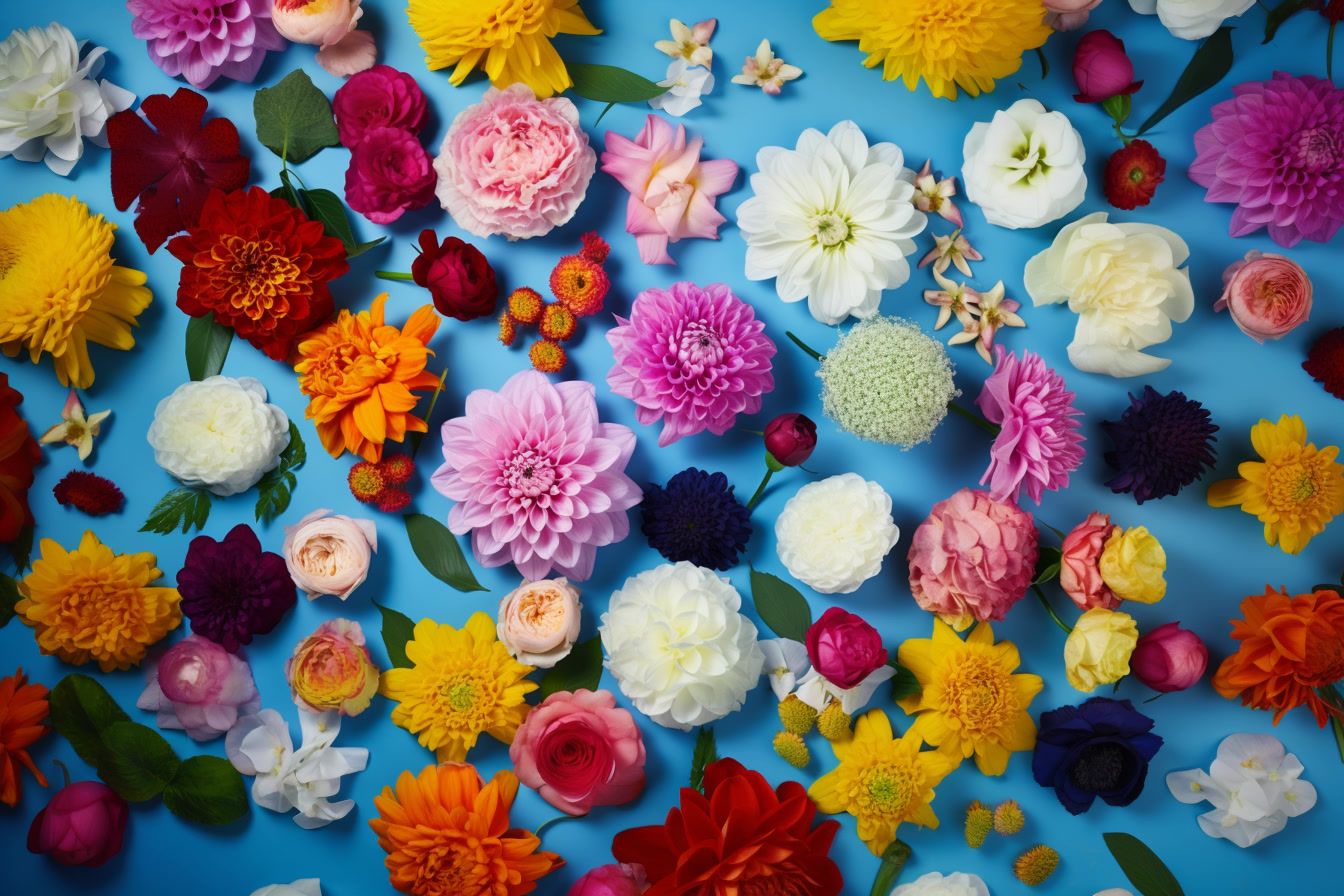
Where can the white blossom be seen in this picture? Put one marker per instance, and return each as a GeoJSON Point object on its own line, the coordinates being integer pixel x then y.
{"type": "Point", "coordinates": [685, 85]}
{"type": "Point", "coordinates": [1024, 167]}
{"type": "Point", "coordinates": [1192, 19]}
{"type": "Point", "coordinates": [785, 660]}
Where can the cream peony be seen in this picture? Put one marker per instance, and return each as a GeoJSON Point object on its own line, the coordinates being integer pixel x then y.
{"type": "Point", "coordinates": [1024, 167]}
{"type": "Point", "coordinates": [1125, 283]}
{"type": "Point", "coordinates": [679, 647]}
{"type": "Point", "coordinates": [834, 534]}
{"type": "Point", "coordinates": [219, 434]}
{"type": "Point", "coordinates": [539, 621]}
{"type": "Point", "coordinates": [958, 883]}
{"type": "Point", "coordinates": [1192, 19]}
{"type": "Point", "coordinates": [328, 553]}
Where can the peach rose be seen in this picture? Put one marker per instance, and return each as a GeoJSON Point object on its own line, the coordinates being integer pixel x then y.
{"type": "Point", "coordinates": [1267, 295]}
{"type": "Point", "coordinates": [539, 621]}
{"type": "Point", "coordinates": [328, 553]}
{"type": "Point", "coordinates": [331, 669]}
{"type": "Point", "coordinates": [329, 24]}
{"type": "Point", "coordinates": [1080, 565]}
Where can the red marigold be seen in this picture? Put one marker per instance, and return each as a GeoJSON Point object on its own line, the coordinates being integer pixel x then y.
{"type": "Point", "coordinates": [525, 305]}
{"type": "Point", "coordinates": [260, 266]}
{"type": "Point", "coordinates": [367, 482]}
{"type": "Point", "coordinates": [19, 454]}
{"type": "Point", "coordinates": [393, 500]}
{"type": "Point", "coordinates": [89, 493]}
{"type": "Point", "coordinates": [1133, 173]}
{"type": "Point", "coordinates": [1325, 361]}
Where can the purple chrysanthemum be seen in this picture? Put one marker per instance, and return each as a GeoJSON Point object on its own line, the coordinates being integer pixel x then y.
{"type": "Point", "coordinates": [232, 590]}
{"type": "Point", "coordinates": [696, 517]}
{"type": "Point", "coordinates": [1162, 444]}
{"type": "Point", "coordinates": [694, 357]}
{"type": "Point", "coordinates": [202, 40]}
{"type": "Point", "coordinates": [537, 479]}
{"type": "Point", "coordinates": [1276, 149]}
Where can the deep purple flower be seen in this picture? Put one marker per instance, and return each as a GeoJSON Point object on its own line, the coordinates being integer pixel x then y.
{"type": "Point", "coordinates": [203, 40]}
{"type": "Point", "coordinates": [1162, 444]}
{"type": "Point", "coordinates": [1099, 749]}
{"type": "Point", "coordinates": [696, 517]}
{"type": "Point", "coordinates": [232, 590]}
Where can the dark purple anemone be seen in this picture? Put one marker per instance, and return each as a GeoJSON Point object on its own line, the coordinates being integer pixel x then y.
{"type": "Point", "coordinates": [696, 517]}
{"type": "Point", "coordinates": [232, 590]}
{"type": "Point", "coordinates": [1099, 749]}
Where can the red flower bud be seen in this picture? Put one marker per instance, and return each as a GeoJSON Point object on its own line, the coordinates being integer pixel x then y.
{"type": "Point", "coordinates": [82, 825]}
{"type": "Point", "coordinates": [1102, 69]}
{"type": "Point", "coordinates": [457, 275]}
{"type": "Point", "coordinates": [790, 439]}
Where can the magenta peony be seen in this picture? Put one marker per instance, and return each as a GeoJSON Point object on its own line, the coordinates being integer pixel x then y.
{"type": "Point", "coordinates": [204, 40]}
{"type": "Point", "coordinates": [1080, 564]}
{"type": "Point", "coordinates": [200, 688]}
{"type": "Point", "coordinates": [379, 97]}
{"type": "Point", "coordinates": [84, 824]}
{"type": "Point", "coordinates": [612, 880]}
{"type": "Point", "coordinates": [844, 648]}
{"type": "Point", "coordinates": [1169, 658]}
{"type": "Point", "coordinates": [1268, 295]}
{"type": "Point", "coordinates": [390, 173]}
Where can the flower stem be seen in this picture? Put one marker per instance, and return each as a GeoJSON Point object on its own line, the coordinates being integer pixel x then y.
{"type": "Point", "coordinates": [550, 821]}
{"type": "Point", "coordinates": [394, 275]}
{"type": "Point", "coordinates": [816, 355]}
{"type": "Point", "coordinates": [1330, 76]}
{"type": "Point", "coordinates": [64, 771]}
{"type": "Point", "coordinates": [1045, 63]}
{"type": "Point", "coordinates": [1059, 533]}
{"type": "Point", "coordinates": [760, 489]}
{"type": "Point", "coordinates": [415, 438]}
{"type": "Point", "coordinates": [893, 863]}
{"type": "Point", "coordinates": [1045, 602]}
{"type": "Point", "coordinates": [973, 417]}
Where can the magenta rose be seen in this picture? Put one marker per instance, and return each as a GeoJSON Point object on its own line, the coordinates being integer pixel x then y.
{"type": "Point", "coordinates": [459, 278]}
{"type": "Point", "coordinates": [377, 98]}
{"type": "Point", "coordinates": [612, 880]}
{"type": "Point", "coordinates": [199, 687]}
{"type": "Point", "coordinates": [82, 825]}
{"type": "Point", "coordinates": [844, 648]}
{"type": "Point", "coordinates": [1101, 68]}
{"type": "Point", "coordinates": [1080, 565]}
{"type": "Point", "coordinates": [1267, 295]}
{"type": "Point", "coordinates": [790, 439]}
{"type": "Point", "coordinates": [1169, 658]}
{"type": "Point", "coordinates": [389, 174]}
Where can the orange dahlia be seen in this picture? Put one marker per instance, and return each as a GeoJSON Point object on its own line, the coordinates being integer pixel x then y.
{"type": "Point", "coordinates": [446, 833]}
{"type": "Point", "coordinates": [19, 454]}
{"type": "Point", "coordinates": [23, 707]}
{"type": "Point", "coordinates": [360, 375]}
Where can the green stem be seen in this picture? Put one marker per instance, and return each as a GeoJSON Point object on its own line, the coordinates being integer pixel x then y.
{"type": "Point", "coordinates": [1045, 63]}
{"type": "Point", "coordinates": [1059, 533]}
{"type": "Point", "coordinates": [1330, 55]}
{"type": "Point", "coordinates": [760, 489]}
{"type": "Point", "coordinates": [65, 772]}
{"type": "Point", "coordinates": [1068, 629]}
{"type": "Point", "coordinates": [1338, 727]}
{"type": "Point", "coordinates": [893, 863]}
{"type": "Point", "coordinates": [394, 275]}
{"type": "Point", "coordinates": [1125, 139]}
{"type": "Point", "coordinates": [974, 418]}
{"type": "Point", "coordinates": [415, 438]}
{"type": "Point", "coordinates": [816, 355]}
{"type": "Point", "coordinates": [550, 821]}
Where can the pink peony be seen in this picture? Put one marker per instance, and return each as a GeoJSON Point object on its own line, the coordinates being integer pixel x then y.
{"type": "Point", "coordinates": [579, 750]}
{"type": "Point", "coordinates": [537, 478]}
{"type": "Point", "coordinates": [84, 824]}
{"type": "Point", "coordinates": [203, 40]}
{"type": "Point", "coordinates": [1169, 658]}
{"type": "Point", "coordinates": [611, 880]}
{"type": "Point", "coordinates": [844, 648]}
{"type": "Point", "coordinates": [694, 357]}
{"type": "Point", "coordinates": [972, 559]}
{"type": "Point", "coordinates": [672, 191]}
{"type": "Point", "coordinates": [1067, 15]}
{"type": "Point", "coordinates": [379, 97]}
{"type": "Point", "coordinates": [1267, 295]}
{"type": "Point", "coordinates": [199, 687]}
{"type": "Point", "coordinates": [1080, 565]}
{"type": "Point", "coordinates": [330, 25]}
{"type": "Point", "coordinates": [514, 165]}
{"type": "Point", "coordinates": [390, 173]}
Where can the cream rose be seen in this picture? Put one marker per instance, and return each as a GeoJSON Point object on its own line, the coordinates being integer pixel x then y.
{"type": "Point", "coordinates": [329, 554]}
{"type": "Point", "coordinates": [1191, 19]}
{"type": "Point", "coordinates": [539, 621]}
{"type": "Point", "coordinates": [1024, 168]}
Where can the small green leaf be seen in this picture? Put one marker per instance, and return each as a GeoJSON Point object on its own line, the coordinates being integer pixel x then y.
{"type": "Point", "coordinates": [397, 630]}
{"type": "Point", "coordinates": [706, 753]}
{"type": "Point", "coordinates": [275, 489]}
{"type": "Point", "coordinates": [1207, 67]}
{"type": "Point", "coordinates": [581, 669]}
{"type": "Point", "coordinates": [186, 508]}
{"type": "Point", "coordinates": [21, 549]}
{"type": "Point", "coordinates": [1141, 865]}
{"type": "Point", "coordinates": [611, 84]}
{"type": "Point", "coordinates": [207, 346]}
{"type": "Point", "coordinates": [326, 208]}
{"type": "Point", "coordinates": [1047, 565]}
{"type": "Point", "coordinates": [904, 683]}
{"type": "Point", "coordinates": [80, 710]}
{"type": "Point", "coordinates": [138, 762]}
{"type": "Point", "coordinates": [206, 790]}
{"type": "Point", "coordinates": [1283, 12]}
{"type": "Point", "coordinates": [9, 596]}
{"type": "Point", "coordinates": [438, 551]}
{"type": "Point", "coordinates": [893, 863]}
{"type": "Point", "coordinates": [360, 248]}
{"type": "Point", "coordinates": [294, 118]}
{"type": "Point", "coordinates": [780, 606]}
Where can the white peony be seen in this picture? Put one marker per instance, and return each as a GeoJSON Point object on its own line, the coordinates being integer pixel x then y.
{"type": "Point", "coordinates": [957, 883]}
{"type": "Point", "coordinates": [1024, 168]}
{"type": "Point", "coordinates": [308, 886]}
{"type": "Point", "coordinates": [219, 434]}
{"type": "Point", "coordinates": [1125, 283]}
{"type": "Point", "coordinates": [1192, 19]}
{"type": "Point", "coordinates": [49, 98]}
{"type": "Point", "coordinates": [832, 221]}
{"type": "Point", "coordinates": [685, 85]}
{"type": "Point", "coordinates": [834, 534]}
{"type": "Point", "coordinates": [679, 647]}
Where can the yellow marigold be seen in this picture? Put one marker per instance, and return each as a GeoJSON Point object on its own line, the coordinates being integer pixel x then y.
{"type": "Point", "coordinates": [462, 683]}
{"type": "Point", "coordinates": [1295, 491]}
{"type": "Point", "coordinates": [1133, 564]}
{"type": "Point", "coordinates": [970, 702]}
{"type": "Point", "coordinates": [510, 40]}
{"type": "Point", "coordinates": [360, 375]}
{"type": "Point", "coordinates": [91, 604]}
{"type": "Point", "coordinates": [949, 43]}
{"type": "Point", "coordinates": [59, 287]}
{"type": "Point", "coordinates": [1098, 649]}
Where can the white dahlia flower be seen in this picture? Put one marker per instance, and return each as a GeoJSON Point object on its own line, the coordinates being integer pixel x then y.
{"type": "Point", "coordinates": [1024, 167]}
{"type": "Point", "coordinates": [834, 534]}
{"type": "Point", "coordinates": [1191, 19]}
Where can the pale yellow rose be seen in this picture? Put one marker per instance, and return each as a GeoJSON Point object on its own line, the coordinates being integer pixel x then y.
{"type": "Point", "coordinates": [1132, 565]}
{"type": "Point", "coordinates": [1098, 649]}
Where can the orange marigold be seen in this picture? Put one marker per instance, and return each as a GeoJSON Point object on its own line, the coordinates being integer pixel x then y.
{"type": "Point", "coordinates": [360, 375]}
{"type": "Point", "coordinates": [23, 707]}
{"type": "Point", "coordinates": [547, 356]}
{"type": "Point", "coordinates": [525, 305]}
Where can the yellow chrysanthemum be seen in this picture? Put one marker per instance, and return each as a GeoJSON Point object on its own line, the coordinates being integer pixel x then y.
{"type": "Point", "coordinates": [463, 683]}
{"type": "Point", "coordinates": [1295, 491]}
{"type": "Point", "coordinates": [91, 604]}
{"type": "Point", "coordinates": [59, 288]}
{"type": "Point", "coordinates": [949, 43]}
{"type": "Point", "coordinates": [970, 702]}
{"type": "Point", "coordinates": [510, 40]}
{"type": "Point", "coordinates": [882, 780]}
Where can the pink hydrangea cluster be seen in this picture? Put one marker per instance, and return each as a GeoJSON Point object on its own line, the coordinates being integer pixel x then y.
{"type": "Point", "coordinates": [1080, 564]}
{"type": "Point", "coordinates": [200, 688]}
{"type": "Point", "coordinates": [204, 40]}
{"type": "Point", "coordinates": [379, 115]}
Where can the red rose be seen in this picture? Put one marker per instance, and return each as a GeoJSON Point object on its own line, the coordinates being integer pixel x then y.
{"type": "Point", "coordinates": [390, 173]}
{"type": "Point", "coordinates": [457, 275]}
{"type": "Point", "coordinates": [790, 439]}
{"type": "Point", "coordinates": [378, 97]}
{"type": "Point", "coordinates": [1102, 69]}
{"type": "Point", "coordinates": [844, 648]}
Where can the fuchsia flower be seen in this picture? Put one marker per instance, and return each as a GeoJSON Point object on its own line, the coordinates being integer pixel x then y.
{"type": "Point", "coordinates": [200, 688]}
{"type": "Point", "coordinates": [84, 824]}
{"type": "Point", "coordinates": [934, 196]}
{"type": "Point", "coordinates": [1268, 295]}
{"type": "Point", "coordinates": [1102, 69]}
{"type": "Point", "coordinates": [951, 249]}
{"type": "Point", "coordinates": [390, 174]}
{"type": "Point", "coordinates": [204, 40]}
{"type": "Point", "coordinates": [612, 880]}
{"type": "Point", "coordinates": [379, 97]}
{"type": "Point", "coordinates": [844, 648]}
{"type": "Point", "coordinates": [1169, 658]}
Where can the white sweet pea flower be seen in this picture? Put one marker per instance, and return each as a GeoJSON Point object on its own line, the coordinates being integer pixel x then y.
{"type": "Point", "coordinates": [785, 660]}
{"type": "Point", "coordinates": [1191, 19]}
{"type": "Point", "coordinates": [685, 85]}
{"type": "Point", "coordinates": [816, 691]}
{"type": "Point", "coordinates": [1024, 167]}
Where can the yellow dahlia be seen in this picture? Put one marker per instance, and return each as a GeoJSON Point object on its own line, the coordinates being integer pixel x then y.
{"type": "Point", "coordinates": [59, 288]}
{"type": "Point", "coordinates": [949, 43]}
{"type": "Point", "coordinates": [462, 683]}
{"type": "Point", "coordinates": [510, 40]}
{"type": "Point", "coordinates": [91, 604]}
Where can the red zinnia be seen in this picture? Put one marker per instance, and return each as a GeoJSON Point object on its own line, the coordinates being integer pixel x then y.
{"type": "Point", "coordinates": [19, 454]}
{"type": "Point", "coordinates": [1325, 361]}
{"type": "Point", "coordinates": [740, 836]}
{"type": "Point", "coordinates": [1132, 175]}
{"type": "Point", "coordinates": [260, 266]}
{"type": "Point", "coordinates": [89, 493]}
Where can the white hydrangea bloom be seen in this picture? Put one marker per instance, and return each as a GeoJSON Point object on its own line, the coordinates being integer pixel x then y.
{"type": "Point", "coordinates": [1191, 19]}
{"type": "Point", "coordinates": [834, 534]}
{"type": "Point", "coordinates": [958, 883]}
{"type": "Point", "coordinates": [1024, 167]}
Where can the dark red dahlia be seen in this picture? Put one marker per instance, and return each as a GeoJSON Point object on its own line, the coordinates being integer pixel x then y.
{"type": "Point", "coordinates": [1133, 173]}
{"type": "Point", "coordinates": [232, 590]}
{"type": "Point", "coordinates": [1325, 361]}
{"type": "Point", "coordinates": [88, 493]}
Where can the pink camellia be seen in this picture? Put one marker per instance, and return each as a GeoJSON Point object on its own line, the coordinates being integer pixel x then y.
{"type": "Point", "coordinates": [199, 687]}
{"type": "Point", "coordinates": [1066, 15]}
{"type": "Point", "coordinates": [83, 824]}
{"type": "Point", "coordinates": [539, 622]}
{"type": "Point", "coordinates": [1169, 658]}
{"type": "Point", "coordinates": [972, 559]}
{"type": "Point", "coordinates": [379, 97]}
{"type": "Point", "coordinates": [330, 25]}
{"type": "Point", "coordinates": [579, 750]}
{"type": "Point", "coordinates": [514, 165]}
{"type": "Point", "coordinates": [1101, 68]}
{"type": "Point", "coordinates": [203, 40]}
{"type": "Point", "coordinates": [328, 553]}
{"type": "Point", "coordinates": [332, 670]}
{"type": "Point", "coordinates": [672, 191]}
{"type": "Point", "coordinates": [612, 880]}
{"type": "Point", "coordinates": [844, 648]}
{"type": "Point", "coordinates": [1080, 565]}
{"type": "Point", "coordinates": [1268, 295]}
{"type": "Point", "coordinates": [390, 173]}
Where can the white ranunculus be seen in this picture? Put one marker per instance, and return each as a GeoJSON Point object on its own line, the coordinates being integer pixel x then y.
{"type": "Point", "coordinates": [833, 221]}
{"type": "Point", "coordinates": [308, 886]}
{"type": "Point", "coordinates": [834, 534]}
{"type": "Point", "coordinates": [219, 434]}
{"type": "Point", "coordinates": [957, 883]}
{"type": "Point", "coordinates": [1192, 19]}
{"type": "Point", "coordinates": [1126, 284]}
{"type": "Point", "coordinates": [685, 85]}
{"type": "Point", "coordinates": [679, 646]}
{"type": "Point", "coordinates": [785, 660]}
{"type": "Point", "coordinates": [1024, 167]}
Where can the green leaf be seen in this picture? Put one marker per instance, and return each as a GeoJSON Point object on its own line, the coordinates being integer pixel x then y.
{"type": "Point", "coordinates": [207, 346]}
{"type": "Point", "coordinates": [360, 248]}
{"type": "Point", "coordinates": [610, 84]}
{"type": "Point", "coordinates": [581, 669]}
{"type": "Point", "coordinates": [326, 208]}
{"type": "Point", "coordinates": [206, 790]}
{"type": "Point", "coordinates": [397, 630]}
{"type": "Point", "coordinates": [21, 549]}
{"type": "Point", "coordinates": [1282, 13]}
{"type": "Point", "coordinates": [780, 606]}
{"type": "Point", "coordinates": [9, 596]}
{"type": "Point", "coordinates": [80, 710]}
{"type": "Point", "coordinates": [186, 508]}
{"type": "Point", "coordinates": [1141, 865]}
{"type": "Point", "coordinates": [138, 762]}
{"type": "Point", "coordinates": [904, 683]}
{"type": "Point", "coordinates": [706, 752]}
{"type": "Point", "coordinates": [893, 863]}
{"type": "Point", "coordinates": [294, 118]}
{"type": "Point", "coordinates": [276, 488]}
{"type": "Point", "coordinates": [1047, 565]}
{"type": "Point", "coordinates": [1207, 67]}
{"type": "Point", "coordinates": [438, 551]}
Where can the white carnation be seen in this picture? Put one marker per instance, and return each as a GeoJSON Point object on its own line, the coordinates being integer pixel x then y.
{"type": "Point", "coordinates": [958, 883]}
{"type": "Point", "coordinates": [219, 434]}
{"type": "Point", "coordinates": [679, 647]}
{"type": "Point", "coordinates": [834, 534]}
{"type": "Point", "coordinates": [1192, 19]}
{"type": "Point", "coordinates": [1024, 168]}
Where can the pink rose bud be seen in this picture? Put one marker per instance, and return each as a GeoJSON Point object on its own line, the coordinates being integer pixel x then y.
{"type": "Point", "coordinates": [1169, 658]}
{"type": "Point", "coordinates": [82, 825]}
{"type": "Point", "coordinates": [844, 648]}
{"type": "Point", "coordinates": [1080, 564]}
{"type": "Point", "coordinates": [539, 621]}
{"type": "Point", "coordinates": [1102, 69]}
{"type": "Point", "coordinates": [199, 687]}
{"type": "Point", "coordinates": [1267, 295]}
{"type": "Point", "coordinates": [611, 880]}
{"type": "Point", "coordinates": [790, 439]}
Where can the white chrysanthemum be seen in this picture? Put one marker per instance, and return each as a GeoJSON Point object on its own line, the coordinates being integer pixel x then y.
{"type": "Point", "coordinates": [1024, 167]}
{"type": "Point", "coordinates": [832, 221]}
{"type": "Point", "coordinates": [50, 101]}
{"type": "Point", "coordinates": [1192, 19]}
{"type": "Point", "coordinates": [958, 883]}
{"type": "Point", "coordinates": [679, 647]}
{"type": "Point", "coordinates": [219, 434]}
{"type": "Point", "coordinates": [834, 534]}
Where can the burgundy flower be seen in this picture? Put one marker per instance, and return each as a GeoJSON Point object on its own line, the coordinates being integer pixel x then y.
{"type": "Point", "coordinates": [390, 173]}
{"type": "Point", "coordinates": [457, 275]}
{"type": "Point", "coordinates": [790, 439]}
{"type": "Point", "coordinates": [84, 824]}
{"type": "Point", "coordinates": [379, 97]}
{"type": "Point", "coordinates": [232, 590]}
{"type": "Point", "coordinates": [1325, 361]}
{"type": "Point", "coordinates": [88, 493]}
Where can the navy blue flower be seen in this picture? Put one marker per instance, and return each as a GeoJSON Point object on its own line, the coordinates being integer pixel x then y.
{"type": "Point", "coordinates": [695, 517]}
{"type": "Point", "coordinates": [1099, 749]}
{"type": "Point", "coordinates": [1162, 444]}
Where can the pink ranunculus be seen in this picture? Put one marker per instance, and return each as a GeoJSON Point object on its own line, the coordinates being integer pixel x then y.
{"type": "Point", "coordinates": [1169, 658]}
{"type": "Point", "coordinates": [1080, 565]}
{"type": "Point", "coordinates": [199, 687]}
{"type": "Point", "coordinates": [1067, 15]}
{"type": "Point", "coordinates": [844, 648]}
{"type": "Point", "coordinates": [672, 191]}
{"type": "Point", "coordinates": [612, 880]}
{"type": "Point", "coordinates": [328, 553]}
{"type": "Point", "coordinates": [1268, 295]}
{"type": "Point", "coordinates": [379, 97]}
{"type": "Point", "coordinates": [332, 670]}
{"type": "Point", "coordinates": [514, 165]}
{"type": "Point", "coordinates": [579, 750]}
{"type": "Point", "coordinates": [203, 40]}
{"type": "Point", "coordinates": [539, 621]}
{"type": "Point", "coordinates": [330, 25]}
{"type": "Point", "coordinates": [1101, 68]}
{"type": "Point", "coordinates": [83, 824]}
{"type": "Point", "coordinates": [390, 173]}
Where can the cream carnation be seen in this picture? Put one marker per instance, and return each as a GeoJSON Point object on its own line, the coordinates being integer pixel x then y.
{"type": "Point", "coordinates": [328, 553]}
{"type": "Point", "coordinates": [1192, 19]}
{"type": "Point", "coordinates": [834, 534]}
{"type": "Point", "coordinates": [539, 621]}
{"type": "Point", "coordinates": [1024, 168]}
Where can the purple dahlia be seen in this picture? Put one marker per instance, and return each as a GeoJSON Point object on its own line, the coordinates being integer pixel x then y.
{"type": "Point", "coordinates": [1162, 444]}
{"type": "Point", "coordinates": [232, 590]}
{"type": "Point", "coordinates": [203, 40]}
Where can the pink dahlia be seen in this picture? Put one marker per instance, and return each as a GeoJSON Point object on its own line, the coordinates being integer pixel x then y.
{"type": "Point", "coordinates": [1276, 149]}
{"type": "Point", "coordinates": [1039, 443]}
{"type": "Point", "coordinates": [203, 40]}
{"type": "Point", "coordinates": [537, 479]}
{"type": "Point", "coordinates": [694, 357]}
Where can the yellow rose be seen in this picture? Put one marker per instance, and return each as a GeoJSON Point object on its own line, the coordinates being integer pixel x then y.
{"type": "Point", "coordinates": [1132, 565]}
{"type": "Point", "coordinates": [1098, 648]}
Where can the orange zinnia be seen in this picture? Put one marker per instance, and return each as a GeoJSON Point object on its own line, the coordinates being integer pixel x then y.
{"type": "Point", "coordinates": [23, 707]}
{"type": "Point", "coordinates": [447, 834]}
{"type": "Point", "coordinates": [360, 374]}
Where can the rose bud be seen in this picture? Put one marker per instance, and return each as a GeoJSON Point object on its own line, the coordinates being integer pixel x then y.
{"type": "Point", "coordinates": [327, 553]}
{"type": "Point", "coordinates": [458, 277]}
{"type": "Point", "coordinates": [331, 669]}
{"type": "Point", "coordinates": [539, 621]}
{"type": "Point", "coordinates": [1268, 295]}
{"type": "Point", "coordinates": [1169, 658]}
{"type": "Point", "coordinates": [200, 688]}
{"type": "Point", "coordinates": [82, 825]}
{"type": "Point", "coordinates": [1067, 15]}
{"type": "Point", "coordinates": [790, 439]}
{"type": "Point", "coordinates": [1102, 69]}
{"type": "Point", "coordinates": [843, 648]}
{"type": "Point", "coordinates": [611, 880]}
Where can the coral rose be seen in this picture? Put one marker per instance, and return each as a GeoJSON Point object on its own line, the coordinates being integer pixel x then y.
{"type": "Point", "coordinates": [331, 669]}
{"type": "Point", "coordinates": [390, 174]}
{"type": "Point", "coordinates": [844, 648]}
{"type": "Point", "coordinates": [1079, 566]}
{"type": "Point", "coordinates": [1169, 658]}
{"type": "Point", "coordinates": [539, 622]}
{"type": "Point", "coordinates": [1098, 649]}
{"type": "Point", "coordinates": [327, 553]}
{"type": "Point", "coordinates": [1268, 295]}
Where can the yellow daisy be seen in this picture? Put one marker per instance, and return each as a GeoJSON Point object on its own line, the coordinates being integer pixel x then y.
{"type": "Point", "coordinates": [882, 780]}
{"type": "Point", "coordinates": [1295, 491]}
{"type": "Point", "coordinates": [59, 287]}
{"type": "Point", "coordinates": [971, 703]}
{"type": "Point", "coordinates": [463, 683]}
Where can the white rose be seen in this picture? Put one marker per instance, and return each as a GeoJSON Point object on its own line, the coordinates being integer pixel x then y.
{"type": "Point", "coordinates": [834, 534]}
{"type": "Point", "coordinates": [1192, 19]}
{"type": "Point", "coordinates": [1025, 167]}
{"type": "Point", "coordinates": [219, 434]}
{"type": "Point", "coordinates": [935, 884]}
{"type": "Point", "coordinates": [1124, 282]}
{"type": "Point", "coordinates": [309, 886]}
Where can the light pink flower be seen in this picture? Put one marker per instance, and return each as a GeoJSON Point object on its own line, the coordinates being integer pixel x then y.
{"type": "Point", "coordinates": [539, 622]}
{"type": "Point", "coordinates": [766, 70]}
{"type": "Point", "coordinates": [934, 196]}
{"type": "Point", "coordinates": [329, 24]}
{"type": "Point", "coordinates": [995, 312]}
{"type": "Point", "coordinates": [199, 687]}
{"type": "Point", "coordinates": [1080, 564]}
{"type": "Point", "coordinates": [952, 300]}
{"type": "Point", "coordinates": [203, 40]}
{"type": "Point", "coordinates": [328, 553]}
{"type": "Point", "coordinates": [689, 43]}
{"type": "Point", "coordinates": [951, 249]}
{"type": "Point", "coordinates": [1067, 15]}
{"type": "Point", "coordinates": [1268, 295]}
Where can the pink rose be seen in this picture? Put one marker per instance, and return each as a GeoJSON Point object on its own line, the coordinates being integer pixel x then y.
{"type": "Point", "coordinates": [199, 687]}
{"type": "Point", "coordinates": [332, 669]}
{"type": "Point", "coordinates": [1101, 68]}
{"type": "Point", "coordinates": [327, 553]}
{"type": "Point", "coordinates": [579, 750]}
{"type": "Point", "coordinates": [539, 621]}
{"type": "Point", "coordinates": [329, 24]}
{"type": "Point", "coordinates": [844, 648]}
{"type": "Point", "coordinates": [1169, 658]}
{"type": "Point", "coordinates": [1066, 15]}
{"type": "Point", "coordinates": [82, 825]}
{"type": "Point", "coordinates": [514, 165]}
{"type": "Point", "coordinates": [612, 880]}
{"type": "Point", "coordinates": [1267, 295]}
{"type": "Point", "coordinates": [379, 97]}
{"type": "Point", "coordinates": [389, 173]}
{"type": "Point", "coordinates": [1080, 565]}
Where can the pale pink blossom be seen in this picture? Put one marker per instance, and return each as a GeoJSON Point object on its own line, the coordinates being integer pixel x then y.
{"type": "Point", "coordinates": [199, 687]}
{"type": "Point", "coordinates": [328, 553]}
{"type": "Point", "coordinates": [690, 44]}
{"type": "Point", "coordinates": [76, 429]}
{"type": "Point", "coordinates": [330, 25]}
{"type": "Point", "coordinates": [1067, 15]}
{"type": "Point", "coordinates": [539, 622]}
{"type": "Point", "coordinates": [951, 249]}
{"type": "Point", "coordinates": [934, 196]}
{"type": "Point", "coordinates": [951, 300]}
{"type": "Point", "coordinates": [994, 312]}
{"type": "Point", "coordinates": [1268, 295]}
{"type": "Point", "coordinates": [767, 71]}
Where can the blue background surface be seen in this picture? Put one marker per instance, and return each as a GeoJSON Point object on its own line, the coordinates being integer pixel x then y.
{"type": "Point", "coordinates": [1216, 556]}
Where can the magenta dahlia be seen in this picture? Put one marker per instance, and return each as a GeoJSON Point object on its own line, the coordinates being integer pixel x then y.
{"type": "Point", "coordinates": [694, 357]}
{"type": "Point", "coordinates": [1276, 149]}
{"type": "Point", "coordinates": [203, 40]}
{"type": "Point", "coordinates": [538, 480]}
